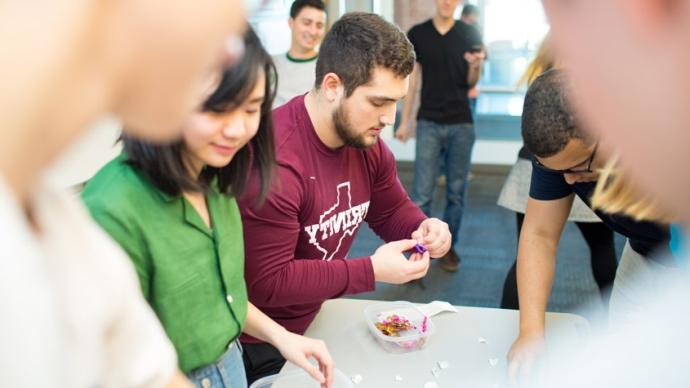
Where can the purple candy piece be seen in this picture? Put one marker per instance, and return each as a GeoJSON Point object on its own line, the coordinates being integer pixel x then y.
{"type": "Point", "coordinates": [420, 248]}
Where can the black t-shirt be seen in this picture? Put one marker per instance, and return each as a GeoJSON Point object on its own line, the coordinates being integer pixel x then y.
{"type": "Point", "coordinates": [444, 70]}
{"type": "Point", "coordinates": [645, 237]}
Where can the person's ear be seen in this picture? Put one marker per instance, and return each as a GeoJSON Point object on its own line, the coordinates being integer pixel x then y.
{"type": "Point", "coordinates": [291, 22]}
{"type": "Point", "coordinates": [332, 87]}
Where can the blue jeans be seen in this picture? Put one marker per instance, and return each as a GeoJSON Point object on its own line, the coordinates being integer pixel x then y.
{"type": "Point", "coordinates": [228, 372]}
{"type": "Point", "coordinates": [453, 144]}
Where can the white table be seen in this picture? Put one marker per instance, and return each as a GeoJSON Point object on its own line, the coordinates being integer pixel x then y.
{"type": "Point", "coordinates": [341, 324]}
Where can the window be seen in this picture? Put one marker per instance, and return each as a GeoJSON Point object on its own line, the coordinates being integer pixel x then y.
{"type": "Point", "coordinates": [512, 31]}
{"type": "Point", "coordinates": [270, 23]}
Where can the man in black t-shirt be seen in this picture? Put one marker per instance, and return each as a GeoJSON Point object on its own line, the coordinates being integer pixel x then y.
{"type": "Point", "coordinates": [565, 164]}
{"type": "Point", "coordinates": [449, 60]}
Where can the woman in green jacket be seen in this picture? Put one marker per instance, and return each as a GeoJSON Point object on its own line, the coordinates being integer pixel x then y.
{"type": "Point", "coordinates": [172, 207]}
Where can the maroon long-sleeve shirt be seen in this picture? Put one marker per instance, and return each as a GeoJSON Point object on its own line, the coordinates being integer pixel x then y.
{"type": "Point", "coordinates": [296, 244]}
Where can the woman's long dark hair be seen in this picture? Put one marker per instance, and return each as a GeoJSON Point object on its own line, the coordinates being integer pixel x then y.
{"type": "Point", "coordinates": [163, 163]}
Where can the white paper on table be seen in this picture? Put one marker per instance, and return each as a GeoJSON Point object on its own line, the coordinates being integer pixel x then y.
{"type": "Point", "coordinates": [429, 309]}
{"type": "Point", "coordinates": [437, 307]}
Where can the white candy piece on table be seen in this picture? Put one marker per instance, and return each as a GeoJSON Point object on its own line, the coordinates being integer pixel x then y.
{"type": "Point", "coordinates": [431, 384]}
{"type": "Point", "coordinates": [357, 379]}
{"type": "Point", "coordinates": [493, 361]}
{"type": "Point", "coordinates": [481, 340]}
{"type": "Point", "coordinates": [435, 371]}
{"type": "Point", "coordinates": [443, 364]}
{"type": "Point", "coordinates": [398, 378]}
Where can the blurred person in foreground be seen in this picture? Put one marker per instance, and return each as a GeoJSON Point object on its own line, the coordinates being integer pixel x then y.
{"type": "Point", "coordinates": [72, 312]}
{"type": "Point", "coordinates": [623, 41]}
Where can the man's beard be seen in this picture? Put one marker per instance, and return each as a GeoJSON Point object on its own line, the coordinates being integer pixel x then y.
{"type": "Point", "coordinates": [346, 133]}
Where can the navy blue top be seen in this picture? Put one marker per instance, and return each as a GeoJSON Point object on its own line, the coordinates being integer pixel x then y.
{"type": "Point", "coordinates": [644, 236]}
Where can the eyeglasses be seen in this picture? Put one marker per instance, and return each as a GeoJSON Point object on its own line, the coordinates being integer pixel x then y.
{"type": "Point", "coordinates": [571, 170]}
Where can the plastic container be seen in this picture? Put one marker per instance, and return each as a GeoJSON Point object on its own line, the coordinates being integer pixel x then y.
{"type": "Point", "coordinates": [298, 378]}
{"type": "Point", "coordinates": [409, 340]}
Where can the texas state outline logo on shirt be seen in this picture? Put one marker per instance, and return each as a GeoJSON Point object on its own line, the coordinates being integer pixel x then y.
{"type": "Point", "coordinates": [339, 221]}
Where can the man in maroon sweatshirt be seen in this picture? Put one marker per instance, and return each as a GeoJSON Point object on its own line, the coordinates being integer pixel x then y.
{"type": "Point", "coordinates": [333, 174]}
